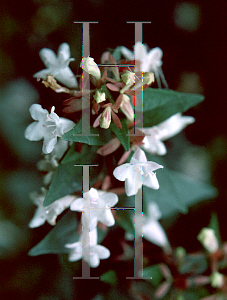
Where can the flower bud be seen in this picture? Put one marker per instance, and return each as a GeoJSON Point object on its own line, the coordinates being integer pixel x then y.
{"type": "Point", "coordinates": [99, 96]}
{"type": "Point", "coordinates": [126, 107]}
{"type": "Point", "coordinates": [90, 67]}
{"type": "Point", "coordinates": [105, 118]}
{"type": "Point", "coordinates": [208, 239]}
{"type": "Point", "coordinates": [217, 280]}
{"type": "Point", "coordinates": [148, 78]}
{"type": "Point", "coordinates": [128, 77]}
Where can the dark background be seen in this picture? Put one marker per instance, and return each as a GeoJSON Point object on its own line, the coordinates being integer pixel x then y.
{"type": "Point", "coordinates": [194, 60]}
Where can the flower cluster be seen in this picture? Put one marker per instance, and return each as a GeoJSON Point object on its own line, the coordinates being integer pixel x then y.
{"type": "Point", "coordinates": [110, 95]}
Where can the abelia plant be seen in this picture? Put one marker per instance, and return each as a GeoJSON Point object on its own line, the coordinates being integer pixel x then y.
{"type": "Point", "coordinates": [126, 114]}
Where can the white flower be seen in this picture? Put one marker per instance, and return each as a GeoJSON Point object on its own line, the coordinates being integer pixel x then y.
{"type": "Point", "coordinates": [105, 118]}
{"type": "Point", "coordinates": [96, 208]}
{"type": "Point", "coordinates": [208, 239]}
{"type": "Point", "coordinates": [58, 65]}
{"type": "Point", "coordinates": [126, 107]}
{"type": "Point", "coordinates": [47, 127]}
{"type": "Point", "coordinates": [163, 131]}
{"type": "Point", "coordinates": [49, 213]}
{"type": "Point", "coordinates": [217, 280]}
{"type": "Point", "coordinates": [137, 173]}
{"type": "Point", "coordinates": [88, 249]}
{"type": "Point", "coordinates": [152, 229]}
{"type": "Point", "coordinates": [90, 67]}
{"type": "Point", "coordinates": [150, 61]}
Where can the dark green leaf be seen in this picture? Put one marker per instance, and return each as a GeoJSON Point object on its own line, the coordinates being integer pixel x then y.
{"type": "Point", "coordinates": [102, 139]}
{"type": "Point", "coordinates": [214, 224]}
{"type": "Point", "coordinates": [68, 178]}
{"type": "Point", "coordinates": [159, 105]}
{"type": "Point", "coordinates": [121, 134]}
{"type": "Point", "coordinates": [109, 277]}
{"type": "Point", "coordinates": [177, 191]}
{"type": "Point", "coordinates": [54, 242]}
{"type": "Point", "coordinates": [154, 273]}
{"type": "Point", "coordinates": [125, 219]}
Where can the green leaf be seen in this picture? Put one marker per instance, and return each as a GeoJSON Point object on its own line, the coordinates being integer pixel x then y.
{"type": "Point", "coordinates": [65, 232]}
{"type": "Point", "coordinates": [102, 139]}
{"type": "Point", "coordinates": [121, 134]}
{"type": "Point", "coordinates": [154, 273]}
{"type": "Point", "coordinates": [177, 191]}
{"type": "Point", "coordinates": [107, 92]}
{"type": "Point", "coordinates": [159, 105]}
{"type": "Point", "coordinates": [214, 224]}
{"type": "Point", "coordinates": [109, 277]}
{"type": "Point", "coordinates": [68, 178]}
{"type": "Point", "coordinates": [54, 242]}
{"type": "Point", "coordinates": [125, 219]}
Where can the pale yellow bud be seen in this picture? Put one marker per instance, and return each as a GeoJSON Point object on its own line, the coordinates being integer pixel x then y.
{"type": "Point", "coordinates": [128, 77]}
{"type": "Point", "coordinates": [90, 67]}
{"type": "Point", "coordinates": [216, 280]}
{"type": "Point", "coordinates": [99, 96]}
{"type": "Point", "coordinates": [208, 239]}
{"type": "Point", "coordinates": [148, 77]}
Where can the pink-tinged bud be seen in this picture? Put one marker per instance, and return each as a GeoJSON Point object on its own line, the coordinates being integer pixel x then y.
{"type": "Point", "coordinates": [99, 96]}
{"type": "Point", "coordinates": [105, 118]}
{"type": "Point", "coordinates": [148, 78]}
{"type": "Point", "coordinates": [128, 77]}
{"type": "Point", "coordinates": [126, 107]}
{"type": "Point", "coordinates": [90, 67]}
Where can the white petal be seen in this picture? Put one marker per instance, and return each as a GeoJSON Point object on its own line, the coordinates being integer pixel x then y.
{"type": "Point", "coordinates": [43, 73]}
{"type": "Point", "coordinates": [64, 52]}
{"type": "Point", "coordinates": [48, 144]}
{"type": "Point", "coordinates": [133, 183]}
{"type": "Point", "coordinates": [110, 199]}
{"type": "Point", "coordinates": [154, 233]}
{"type": "Point", "coordinates": [64, 126]}
{"type": "Point", "coordinates": [152, 166]}
{"type": "Point", "coordinates": [77, 205]}
{"type": "Point", "coordinates": [102, 252]}
{"type": "Point", "coordinates": [39, 218]}
{"type": "Point", "coordinates": [48, 57]}
{"type": "Point", "coordinates": [151, 181]}
{"type": "Point", "coordinates": [140, 51]}
{"type": "Point", "coordinates": [123, 171]}
{"type": "Point", "coordinates": [139, 155]}
{"type": "Point", "coordinates": [105, 216]}
{"type": "Point", "coordinates": [37, 112]}
{"type": "Point", "coordinates": [127, 53]}
{"type": "Point", "coordinates": [35, 131]}
{"type": "Point", "coordinates": [94, 260]}
{"type": "Point", "coordinates": [154, 58]}
{"type": "Point", "coordinates": [66, 77]}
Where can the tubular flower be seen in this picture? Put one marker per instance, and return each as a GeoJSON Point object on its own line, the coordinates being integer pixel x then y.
{"type": "Point", "coordinates": [47, 127]}
{"type": "Point", "coordinates": [49, 213]}
{"type": "Point", "coordinates": [152, 142]}
{"type": "Point", "coordinates": [88, 249]}
{"type": "Point", "coordinates": [131, 173]}
{"type": "Point", "coordinates": [96, 208]}
{"type": "Point", "coordinates": [58, 65]}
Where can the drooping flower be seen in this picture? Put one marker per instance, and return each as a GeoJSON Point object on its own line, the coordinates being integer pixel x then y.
{"type": "Point", "coordinates": [58, 65]}
{"type": "Point", "coordinates": [152, 142]}
{"type": "Point", "coordinates": [208, 239]}
{"type": "Point", "coordinates": [152, 229]}
{"type": "Point", "coordinates": [90, 67]}
{"type": "Point", "coordinates": [49, 213]}
{"type": "Point", "coordinates": [47, 127]}
{"type": "Point", "coordinates": [96, 208]}
{"type": "Point", "coordinates": [88, 249]}
{"type": "Point", "coordinates": [137, 173]}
